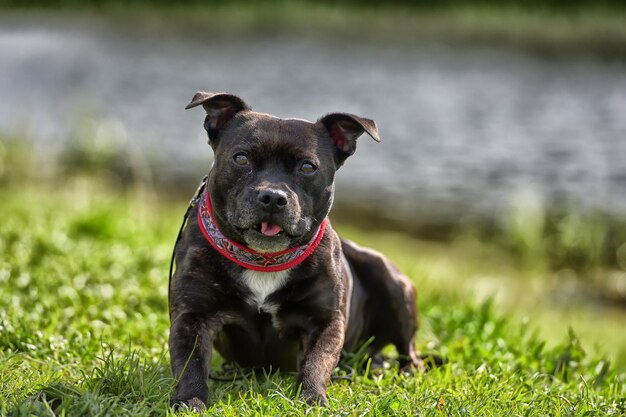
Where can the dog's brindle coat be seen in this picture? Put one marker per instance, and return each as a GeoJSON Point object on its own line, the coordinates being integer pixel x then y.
{"type": "Point", "coordinates": [280, 171]}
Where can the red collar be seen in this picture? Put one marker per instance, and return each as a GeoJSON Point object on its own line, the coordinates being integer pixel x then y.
{"type": "Point", "coordinates": [246, 257]}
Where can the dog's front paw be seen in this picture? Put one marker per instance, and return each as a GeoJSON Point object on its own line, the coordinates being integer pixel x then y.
{"type": "Point", "coordinates": [194, 404]}
{"type": "Point", "coordinates": [423, 364]}
{"type": "Point", "coordinates": [413, 366]}
{"type": "Point", "coordinates": [314, 398]}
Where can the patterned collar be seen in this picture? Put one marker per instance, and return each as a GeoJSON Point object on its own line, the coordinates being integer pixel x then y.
{"type": "Point", "coordinates": [246, 257]}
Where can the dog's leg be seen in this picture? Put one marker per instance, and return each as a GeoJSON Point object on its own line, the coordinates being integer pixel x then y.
{"type": "Point", "coordinates": [191, 339]}
{"type": "Point", "coordinates": [407, 317]}
{"type": "Point", "coordinates": [320, 352]}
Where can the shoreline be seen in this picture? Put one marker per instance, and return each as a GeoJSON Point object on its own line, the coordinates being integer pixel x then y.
{"type": "Point", "coordinates": [599, 33]}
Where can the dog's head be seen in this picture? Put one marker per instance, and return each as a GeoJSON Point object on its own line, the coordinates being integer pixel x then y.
{"type": "Point", "coordinates": [272, 181]}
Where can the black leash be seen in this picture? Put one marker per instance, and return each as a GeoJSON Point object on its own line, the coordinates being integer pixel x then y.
{"type": "Point", "coordinates": [192, 204]}
{"type": "Point", "coordinates": [350, 373]}
{"type": "Point", "coordinates": [231, 373]}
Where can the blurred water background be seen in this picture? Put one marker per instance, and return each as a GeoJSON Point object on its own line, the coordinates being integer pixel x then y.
{"type": "Point", "coordinates": [468, 129]}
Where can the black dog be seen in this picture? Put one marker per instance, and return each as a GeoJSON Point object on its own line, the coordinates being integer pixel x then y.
{"type": "Point", "coordinates": [261, 275]}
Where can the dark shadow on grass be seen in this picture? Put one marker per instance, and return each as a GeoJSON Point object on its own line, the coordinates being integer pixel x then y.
{"type": "Point", "coordinates": [231, 383]}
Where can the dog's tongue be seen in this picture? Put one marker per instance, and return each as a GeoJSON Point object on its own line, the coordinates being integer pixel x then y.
{"type": "Point", "coordinates": [270, 229]}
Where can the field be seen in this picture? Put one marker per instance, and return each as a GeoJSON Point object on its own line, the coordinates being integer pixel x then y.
{"type": "Point", "coordinates": [528, 312]}
{"type": "Point", "coordinates": [84, 325]}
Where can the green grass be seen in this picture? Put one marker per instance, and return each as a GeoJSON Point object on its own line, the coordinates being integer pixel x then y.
{"type": "Point", "coordinates": [84, 325]}
{"type": "Point", "coordinates": [591, 28]}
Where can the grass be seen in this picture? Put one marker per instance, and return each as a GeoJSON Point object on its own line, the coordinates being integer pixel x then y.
{"type": "Point", "coordinates": [84, 325]}
{"type": "Point", "coordinates": [567, 29]}
{"type": "Point", "coordinates": [469, 268]}
{"type": "Point", "coordinates": [83, 271]}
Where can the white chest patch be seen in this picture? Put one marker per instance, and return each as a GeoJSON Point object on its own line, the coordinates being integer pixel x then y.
{"type": "Point", "coordinates": [262, 284]}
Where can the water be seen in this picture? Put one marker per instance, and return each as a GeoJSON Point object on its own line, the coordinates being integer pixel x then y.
{"type": "Point", "coordinates": [465, 130]}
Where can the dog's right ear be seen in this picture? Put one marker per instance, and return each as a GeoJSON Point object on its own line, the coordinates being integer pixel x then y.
{"type": "Point", "coordinates": [220, 108]}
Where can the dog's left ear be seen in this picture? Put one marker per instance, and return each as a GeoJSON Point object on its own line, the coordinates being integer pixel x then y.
{"type": "Point", "coordinates": [344, 129]}
{"type": "Point", "coordinates": [220, 108]}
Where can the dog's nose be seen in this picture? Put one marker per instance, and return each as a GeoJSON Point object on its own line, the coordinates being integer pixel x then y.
{"type": "Point", "coordinates": [273, 199]}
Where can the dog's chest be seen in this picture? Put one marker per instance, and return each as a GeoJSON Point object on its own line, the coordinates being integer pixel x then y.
{"type": "Point", "coordinates": [261, 285]}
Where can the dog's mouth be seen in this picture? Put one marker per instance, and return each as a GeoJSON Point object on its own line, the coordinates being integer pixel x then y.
{"type": "Point", "coordinates": [263, 235]}
{"type": "Point", "coordinates": [266, 237]}
{"type": "Point", "coordinates": [268, 229]}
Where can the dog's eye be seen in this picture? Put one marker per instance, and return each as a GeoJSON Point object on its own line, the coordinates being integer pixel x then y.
{"type": "Point", "coordinates": [308, 168]}
{"type": "Point", "coordinates": [241, 159]}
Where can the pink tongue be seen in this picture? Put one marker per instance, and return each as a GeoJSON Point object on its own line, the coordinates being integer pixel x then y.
{"type": "Point", "coordinates": [270, 229]}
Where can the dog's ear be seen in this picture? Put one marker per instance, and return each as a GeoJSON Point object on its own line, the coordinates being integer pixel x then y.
{"type": "Point", "coordinates": [344, 129]}
{"type": "Point", "coordinates": [220, 108]}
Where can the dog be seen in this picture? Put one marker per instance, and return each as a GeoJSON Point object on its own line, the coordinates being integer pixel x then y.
{"type": "Point", "coordinates": [261, 276]}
